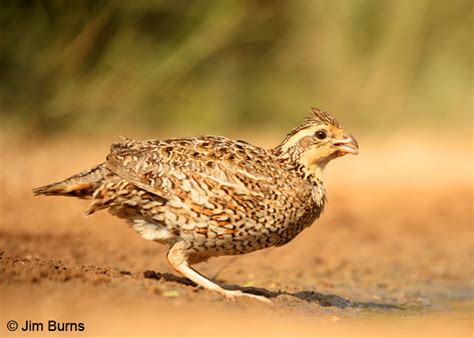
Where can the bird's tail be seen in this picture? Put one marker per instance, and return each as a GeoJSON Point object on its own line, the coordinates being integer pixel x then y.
{"type": "Point", "coordinates": [81, 185]}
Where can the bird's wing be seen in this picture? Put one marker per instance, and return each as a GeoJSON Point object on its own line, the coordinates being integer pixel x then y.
{"type": "Point", "coordinates": [176, 166]}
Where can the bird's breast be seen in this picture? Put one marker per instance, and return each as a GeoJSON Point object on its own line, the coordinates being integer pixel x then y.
{"type": "Point", "coordinates": [318, 195]}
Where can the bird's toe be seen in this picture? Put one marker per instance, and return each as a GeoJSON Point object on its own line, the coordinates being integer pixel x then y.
{"type": "Point", "coordinates": [234, 294]}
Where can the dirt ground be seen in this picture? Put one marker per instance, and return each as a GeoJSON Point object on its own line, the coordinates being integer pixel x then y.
{"type": "Point", "coordinates": [392, 254]}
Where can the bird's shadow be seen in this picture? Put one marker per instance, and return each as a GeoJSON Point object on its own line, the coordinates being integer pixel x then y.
{"type": "Point", "coordinates": [308, 296]}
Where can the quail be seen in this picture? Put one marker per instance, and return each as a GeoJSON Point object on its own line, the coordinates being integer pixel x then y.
{"type": "Point", "coordinates": [210, 196]}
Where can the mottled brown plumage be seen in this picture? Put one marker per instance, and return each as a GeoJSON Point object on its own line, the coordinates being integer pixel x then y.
{"type": "Point", "coordinates": [211, 196]}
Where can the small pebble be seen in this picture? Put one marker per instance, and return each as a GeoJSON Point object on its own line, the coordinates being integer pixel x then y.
{"type": "Point", "coordinates": [249, 283]}
{"type": "Point", "coordinates": [171, 293]}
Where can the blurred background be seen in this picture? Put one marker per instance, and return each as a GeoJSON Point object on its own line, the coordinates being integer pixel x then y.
{"type": "Point", "coordinates": [197, 67]}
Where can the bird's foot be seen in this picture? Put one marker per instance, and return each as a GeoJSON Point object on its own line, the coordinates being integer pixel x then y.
{"type": "Point", "coordinates": [233, 294]}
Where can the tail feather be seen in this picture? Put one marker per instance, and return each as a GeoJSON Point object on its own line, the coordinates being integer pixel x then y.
{"type": "Point", "coordinates": [81, 185]}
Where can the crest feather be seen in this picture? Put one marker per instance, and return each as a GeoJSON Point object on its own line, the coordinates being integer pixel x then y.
{"type": "Point", "coordinates": [320, 116]}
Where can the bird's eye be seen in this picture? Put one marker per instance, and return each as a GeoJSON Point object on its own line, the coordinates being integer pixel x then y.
{"type": "Point", "coordinates": [320, 134]}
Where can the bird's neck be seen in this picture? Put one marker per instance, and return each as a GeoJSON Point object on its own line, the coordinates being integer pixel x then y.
{"type": "Point", "coordinates": [315, 175]}
{"type": "Point", "coordinates": [292, 160]}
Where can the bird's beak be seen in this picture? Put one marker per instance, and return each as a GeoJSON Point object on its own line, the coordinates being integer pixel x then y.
{"type": "Point", "coordinates": [347, 145]}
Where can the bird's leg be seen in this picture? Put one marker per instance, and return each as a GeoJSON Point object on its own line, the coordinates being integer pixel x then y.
{"type": "Point", "coordinates": [178, 258]}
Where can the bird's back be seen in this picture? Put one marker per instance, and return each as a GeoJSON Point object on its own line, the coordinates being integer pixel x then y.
{"type": "Point", "coordinates": [224, 196]}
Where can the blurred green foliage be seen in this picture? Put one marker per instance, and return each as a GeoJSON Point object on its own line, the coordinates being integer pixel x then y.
{"type": "Point", "coordinates": [214, 66]}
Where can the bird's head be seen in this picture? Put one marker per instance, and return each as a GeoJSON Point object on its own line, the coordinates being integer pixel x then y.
{"type": "Point", "coordinates": [317, 141]}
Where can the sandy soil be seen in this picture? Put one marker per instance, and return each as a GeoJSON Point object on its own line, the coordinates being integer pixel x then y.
{"type": "Point", "coordinates": [392, 253]}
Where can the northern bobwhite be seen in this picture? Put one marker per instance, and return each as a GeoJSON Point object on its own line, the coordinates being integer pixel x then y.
{"type": "Point", "coordinates": [211, 196]}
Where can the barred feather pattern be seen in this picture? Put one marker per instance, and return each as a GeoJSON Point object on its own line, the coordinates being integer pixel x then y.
{"type": "Point", "coordinates": [219, 196]}
{"type": "Point", "coordinates": [222, 196]}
